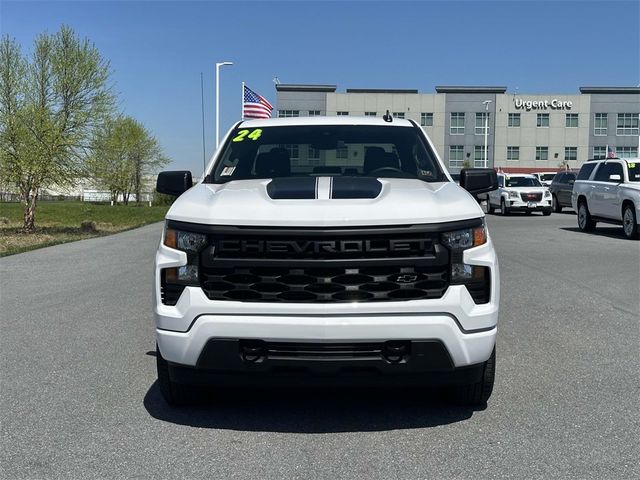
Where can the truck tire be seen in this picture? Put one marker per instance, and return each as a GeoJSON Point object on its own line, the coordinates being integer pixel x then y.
{"type": "Point", "coordinates": [556, 204]}
{"type": "Point", "coordinates": [477, 394]}
{"type": "Point", "coordinates": [173, 393]}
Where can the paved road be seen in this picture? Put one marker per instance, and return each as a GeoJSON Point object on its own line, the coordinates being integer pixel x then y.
{"type": "Point", "coordinates": [79, 398]}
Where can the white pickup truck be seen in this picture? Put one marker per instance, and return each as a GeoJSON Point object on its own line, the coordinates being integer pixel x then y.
{"type": "Point", "coordinates": [320, 249]}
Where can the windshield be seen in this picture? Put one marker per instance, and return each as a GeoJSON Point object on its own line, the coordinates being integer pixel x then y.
{"type": "Point", "coordinates": [522, 182]}
{"type": "Point", "coordinates": [634, 172]}
{"type": "Point", "coordinates": [326, 150]}
{"type": "Point", "coordinates": [546, 177]}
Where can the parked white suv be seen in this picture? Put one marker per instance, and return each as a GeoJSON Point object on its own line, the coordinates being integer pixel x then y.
{"type": "Point", "coordinates": [326, 248]}
{"type": "Point", "coordinates": [519, 192]}
{"type": "Point", "coordinates": [545, 178]}
{"type": "Point", "coordinates": [608, 191]}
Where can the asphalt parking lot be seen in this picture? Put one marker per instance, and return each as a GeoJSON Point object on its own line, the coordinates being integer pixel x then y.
{"type": "Point", "coordinates": [79, 398]}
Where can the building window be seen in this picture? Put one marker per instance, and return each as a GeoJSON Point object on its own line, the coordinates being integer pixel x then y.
{"type": "Point", "coordinates": [513, 154]}
{"type": "Point", "coordinates": [478, 156]}
{"type": "Point", "coordinates": [426, 119]}
{"type": "Point", "coordinates": [288, 113]}
{"type": "Point", "coordinates": [457, 123]}
{"type": "Point", "coordinates": [514, 120]}
{"type": "Point", "coordinates": [599, 152]}
{"type": "Point", "coordinates": [342, 153]}
{"type": "Point", "coordinates": [313, 153]}
{"type": "Point", "coordinates": [600, 124]}
{"type": "Point", "coordinates": [542, 153]}
{"type": "Point", "coordinates": [628, 124]}
{"type": "Point", "coordinates": [292, 149]}
{"type": "Point", "coordinates": [456, 156]}
{"type": "Point", "coordinates": [543, 120]}
{"type": "Point", "coordinates": [398, 114]}
{"type": "Point", "coordinates": [343, 114]}
{"type": "Point", "coordinates": [571, 120]}
{"type": "Point", "coordinates": [571, 153]}
{"type": "Point", "coordinates": [314, 113]}
{"type": "Point", "coordinates": [480, 122]}
{"type": "Point", "coordinates": [370, 114]}
{"type": "Point", "coordinates": [627, 152]}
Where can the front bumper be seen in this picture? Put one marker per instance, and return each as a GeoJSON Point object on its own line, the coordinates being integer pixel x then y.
{"type": "Point", "coordinates": [466, 330]}
{"type": "Point", "coordinates": [232, 362]}
{"type": "Point", "coordinates": [516, 204]}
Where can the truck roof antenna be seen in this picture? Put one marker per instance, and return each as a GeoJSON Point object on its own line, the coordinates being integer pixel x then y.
{"type": "Point", "coordinates": [387, 118]}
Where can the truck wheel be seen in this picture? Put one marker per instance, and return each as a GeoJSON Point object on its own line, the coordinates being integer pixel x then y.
{"type": "Point", "coordinates": [504, 210]}
{"type": "Point", "coordinates": [490, 208]}
{"type": "Point", "coordinates": [630, 223]}
{"type": "Point", "coordinates": [477, 394]}
{"type": "Point", "coordinates": [555, 204]}
{"type": "Point", "coordinates": [546, 212]}
{"type": "Point", "coordinates": [173, 393]}
{"type": "Point", "coordinates": [585, 222]}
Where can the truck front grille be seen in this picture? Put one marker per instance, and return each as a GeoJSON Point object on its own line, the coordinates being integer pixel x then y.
{"type": "Point", "coordinates": [315, 265]}
{"type": "Point", "coordinates": [531, 196]}
{"type": "Point", "coordinates": [325, 284]}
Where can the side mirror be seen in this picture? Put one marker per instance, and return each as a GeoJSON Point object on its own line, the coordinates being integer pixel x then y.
{"type": "Point", "coordinates": [174, 183]}
{"type": "Point", "coordinates": [478, 180]}
{"type": "Point", "coordinates": [615, 178]}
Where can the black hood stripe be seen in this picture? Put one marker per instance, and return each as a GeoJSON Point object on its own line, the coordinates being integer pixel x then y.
{"type": "Point", "coordinates": [290, 188]}
{"type": "Point", "coordinates": [306, 188]}
{"type": "Point", "coordinates": [355, 187]}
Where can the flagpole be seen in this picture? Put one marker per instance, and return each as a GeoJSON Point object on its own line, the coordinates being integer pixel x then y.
{"type": "Point", "coordinates": [242, 103]}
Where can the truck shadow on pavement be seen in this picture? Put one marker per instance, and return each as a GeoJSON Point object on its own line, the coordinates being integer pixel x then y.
{"type": "Point", "coordinates": [612, 231]}
{"type": "Point", "coordinates": [310, 410]}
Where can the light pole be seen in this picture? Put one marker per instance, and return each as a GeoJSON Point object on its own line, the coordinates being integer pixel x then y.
{"type": "Point", "coordinates": [218, 65]}
{"type": "Point", "coordinates": [486, 130]}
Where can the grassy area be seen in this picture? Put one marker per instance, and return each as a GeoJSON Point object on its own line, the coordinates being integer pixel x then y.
{"type": "Point", "coordinates": [60, 222]}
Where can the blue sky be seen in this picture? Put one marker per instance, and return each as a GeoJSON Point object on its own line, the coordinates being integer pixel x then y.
{"type": "Point", "coordinates": [158, 49]}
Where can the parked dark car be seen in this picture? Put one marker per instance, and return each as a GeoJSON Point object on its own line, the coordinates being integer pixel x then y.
{"type": "Point", "coordinates": [560, 188]}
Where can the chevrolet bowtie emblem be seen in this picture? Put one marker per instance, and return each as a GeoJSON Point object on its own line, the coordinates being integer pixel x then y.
{"type": "Point", "coordinates": [406, 278]}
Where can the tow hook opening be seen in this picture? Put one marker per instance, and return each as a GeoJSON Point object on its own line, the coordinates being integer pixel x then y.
{"type": "Point", "coordinates": [395, 352]}
{"type": "Point", "coordinates": [253, 351]}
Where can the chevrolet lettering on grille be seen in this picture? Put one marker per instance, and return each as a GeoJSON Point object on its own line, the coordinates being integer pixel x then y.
{"type": "Point", "coordinates": [306, 247]}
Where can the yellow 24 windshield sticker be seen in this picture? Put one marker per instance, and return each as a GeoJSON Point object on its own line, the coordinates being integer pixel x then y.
{"type": "Point", "coordinates": [250, 134]}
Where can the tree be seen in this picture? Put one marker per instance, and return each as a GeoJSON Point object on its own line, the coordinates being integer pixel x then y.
{"type": "Point", "coordinates": [124, 152]}
{"type": "Point", "coordinates": [50, 104]}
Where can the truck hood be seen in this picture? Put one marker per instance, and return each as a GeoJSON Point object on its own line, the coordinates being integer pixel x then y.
{"type": "Point", "coordinates": [398, 202]}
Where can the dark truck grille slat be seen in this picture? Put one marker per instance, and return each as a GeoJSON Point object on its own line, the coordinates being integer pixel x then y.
{"type": "Point", "coordinates": [327, 351]}
{"type": "Point", "coordinates": [170, 293]}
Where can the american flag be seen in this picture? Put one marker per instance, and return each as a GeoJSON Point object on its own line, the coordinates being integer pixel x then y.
{"type": "Point", "coordinates": [255, 105]}
{"type": "Point", "coordinates": [611, 153]}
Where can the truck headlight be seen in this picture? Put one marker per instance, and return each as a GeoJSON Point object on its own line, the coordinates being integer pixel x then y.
{"type": "Point", "coordinates": [191, 243]}
{"type": "Point", "coordinates": [475, 278]}
{"type": "Point", "coordinates": [513, 194]}
{"type": "Point", "coordinates": [547, 194]}
{"type": "Point", "coordinates": [467, 238]}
